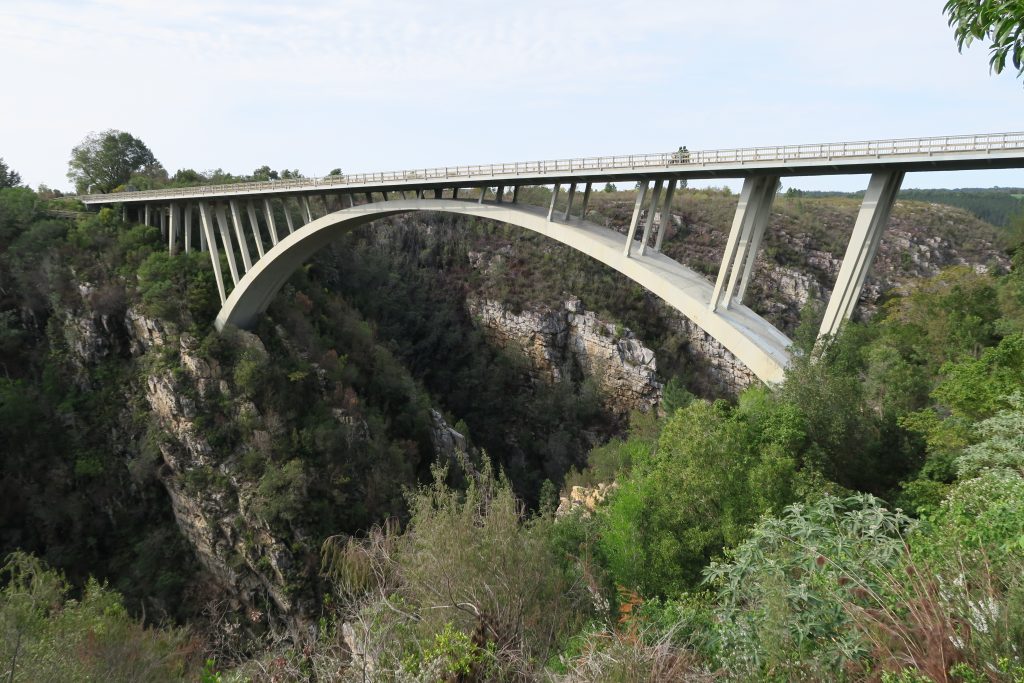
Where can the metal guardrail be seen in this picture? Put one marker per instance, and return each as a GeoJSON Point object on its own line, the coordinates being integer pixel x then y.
{"type": "Point", "coordinates": [965, 144]}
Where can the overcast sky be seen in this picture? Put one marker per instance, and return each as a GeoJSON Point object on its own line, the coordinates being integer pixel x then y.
{"type": "Point", "coordinates": [370, 85]}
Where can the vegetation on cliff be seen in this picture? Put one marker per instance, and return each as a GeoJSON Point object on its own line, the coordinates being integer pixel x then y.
{"type": "Point", "coordinates": [861, 522]}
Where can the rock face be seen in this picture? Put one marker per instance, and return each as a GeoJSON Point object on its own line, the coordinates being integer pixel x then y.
{"type": "Point", "coordinates": [572, 343]}
{"type": "Point", "coordinates": [585, 499]}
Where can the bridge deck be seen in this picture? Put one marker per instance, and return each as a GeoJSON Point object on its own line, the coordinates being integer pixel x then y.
{"type": "Point", "coordinates": [959, 152]}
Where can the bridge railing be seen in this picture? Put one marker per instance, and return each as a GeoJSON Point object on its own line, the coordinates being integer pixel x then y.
{"type": "Point", "coordinates": [683, 158]}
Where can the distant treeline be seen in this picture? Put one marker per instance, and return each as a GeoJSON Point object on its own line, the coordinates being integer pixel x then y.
{"type": "Point", "coordinates": [995, 205]}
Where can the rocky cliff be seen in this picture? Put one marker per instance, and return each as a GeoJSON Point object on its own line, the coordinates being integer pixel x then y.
{"type": "Point", "coordinates": [572, 343]}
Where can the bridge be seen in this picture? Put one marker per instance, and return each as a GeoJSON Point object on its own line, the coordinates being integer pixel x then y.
{"type": "Point", "coordinates": [233, 217]}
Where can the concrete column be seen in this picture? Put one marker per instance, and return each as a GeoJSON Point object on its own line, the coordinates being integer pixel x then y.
{"type": "Point", "coordinates": [369, 198]}
{"type": "Point", "coordinates": [515, 194]}
{"type": "Point", "coordinates": [288, 215]}
{"type": "Point", "coordinates": [254, 225]}
{"type": "Point", "coordinates": [145, 220]}
{"type": "Point", "coordinates": [586, 200]}
{"type": "Point", "coordinates": [124, 213]}
{"type": "Point", "coordinates": [455, 193]}
{"type": "Point", "coordinates": [225, 240]}
{"type": "Point", "coordinates": [500, 195]}
{"type": "Point", "coordinates": [554, 198]}
{"type": "Point", "coordinates": [757, 217]}
{"type": "Point", "coordinates": [206, 218]}
{"type": "Point", "coordinates": [188, 227]}
{"type": "Point", "coordinates": [867, 234]}
{"type": "Point", "coordinates": [202, 241]}
{"type": "Point", "coordinates": [172, 231]}
{"type": "Point", "coordinates": [483, 193]}
{"type": "Point", "coordinates": [739, 223]}
{"type": "Point", "coordinates": [304, 202]}
{"type": "Point", "coordinates": [640, 196]}
{"type": "Point", "coordinates": [438, 192]}
{"type": "Point", "coordinates": [243, 244]}
{"type": "Point", "coordinates": [764, 213]}
{"type": "Point", "coordinates": [163, 221]}
{"type": "Point", "coordinates": [268, 215]}
{"type": "Point", "coordinates": [568, 204]}
{"type": "Point", "coordinates": [666, 214]}
{"type": "Point", "coordinates": [419, 194]}
{"type": "Point", "coordinates": [651, 209]}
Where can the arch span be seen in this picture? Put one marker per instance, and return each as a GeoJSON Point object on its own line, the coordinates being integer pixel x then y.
{"type": "Point", "coordinates": [748, 336]}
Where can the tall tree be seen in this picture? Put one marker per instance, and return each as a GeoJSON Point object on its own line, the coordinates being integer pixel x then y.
{"type": "Point", "coordinates": [8, 177]}
{"type": "Point", "coordinates": [999, 21]}
{"type": "Point", "coordinates": [103, 161]}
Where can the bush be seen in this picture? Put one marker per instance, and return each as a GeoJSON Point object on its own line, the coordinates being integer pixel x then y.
{"type": "Point", "coordinates": [46, 635]}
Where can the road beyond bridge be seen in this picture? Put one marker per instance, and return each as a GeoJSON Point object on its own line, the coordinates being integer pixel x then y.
{"type": "Point", "coordinates": [492, 191]}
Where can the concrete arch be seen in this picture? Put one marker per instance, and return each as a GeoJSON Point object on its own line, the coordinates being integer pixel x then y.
{"type": "Point", "coordinates": [748, 336]}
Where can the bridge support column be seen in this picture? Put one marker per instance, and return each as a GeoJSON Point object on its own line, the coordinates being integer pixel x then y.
{"type": "Point", "coordinates": [500, 194]}
{"type": "Point", "coordinates": [438, 192]}
{"type": "Point", "coordinates": [206, 218]}
{"type": "Point", "coordinates": [369, 198]}
{"type": "Point", "coordinates": [243, 244]}
{"type": "Point", "coordinates": [641, 194]}
{"type": "Point", "coordinates": [225, 240]}
{"type": "Point", "coordinates": [554, 198]}
{"type": "Point", "coordinates": [568, 205]}
{"type": "Point", "coordinates": [666, 215]}
{"type": "Point", "coordinates": [455, 193]}
{"type": "Point", "coordinates": [586, 200]}
{"type": "Point", "coordinates": [515, 194]}
{"type": "Point", "coordinates": [288, 215]}
{"type": "Point", "coordinates": [304, 203]}
{"type": "Point", "coordinates": [649, 223]}
{"type": "Point", "coordinates": [145, 218]}
{"type": "Point", "coordinates": [867, 233]}
{"type": "Point", "coordinates": [172, 241]}
{"type": "Point", "coordinates": [163, 221]}
{"type": "Point", "coordinates": [188, 228]}
{"type": "Point", "coordinates": [254, 225]}
{"type": "Point", "coordinates": [752, 201]}
{"type": "Point", "coordinates": [268, 215]}
{"type": "Point", "coordinates": [483, 193]}
{"type": "Point", "coordinates": [764, 213]}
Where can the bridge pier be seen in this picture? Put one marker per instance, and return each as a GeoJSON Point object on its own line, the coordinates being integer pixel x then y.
{"type": "Point", "coordinates": [145, 218]}
{"type": "Point", "coordinates": [206, 218]}
{"type": "Point", "coordinates": [500, 196]}
{"type": "Point", "coordinates": [515, 194]}
{"type": "Point", "coordinates": [860, 253]}
{"type": "Point", "coordinates": [225, 240]}
{"type": "Point", "coordinates": [752, 213]}
{"type": "Point", "coordinates": [304, 206]}
{"type": "Point", "coordinates": [243, 244]}
{"type": "Point", "coordinates": [188, 227]}
{"type": "Point", "coordinates": [568, 204]}
{"type": "Point", "coordinates": [288, 214]}
{"type": "Point", "coordinates": [666, 215]}
{"type": "Point", "coordinates": [641, 195]}
{"type": "Point", "coordinates": [649, 224]}
{"type": "Point", "coordinates": [172, 245]}
{"type": "Point", "coordinates": [268, 216]}
{"type": "Point", "coordinates": [254, 225]}
{"type": "Point", "coordinates": [586, 200]}
{"type": "Point", "coordinates": [163, 221]}
{"type": "Point", "coordinates": [554, 198]}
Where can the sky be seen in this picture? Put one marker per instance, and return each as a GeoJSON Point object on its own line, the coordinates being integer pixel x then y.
{"type": "Point", "coordinates": [371, 85]}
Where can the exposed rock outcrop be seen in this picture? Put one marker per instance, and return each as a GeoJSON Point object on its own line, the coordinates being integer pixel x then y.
{"type": "Point", "coordinates": [572, 343]}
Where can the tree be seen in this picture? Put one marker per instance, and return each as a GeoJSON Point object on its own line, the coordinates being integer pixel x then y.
{"type": "Point", "coordinates": [8, 177]}
{"type": "Point", "coordinates": [610, 187]}
{"type": "Point", "coordinates": [999, 21]}
{"type": "Point", "coordinates": [103, 161]}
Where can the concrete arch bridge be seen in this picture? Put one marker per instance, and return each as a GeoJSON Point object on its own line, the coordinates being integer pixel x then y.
{"type": "Point", "coordinates": [239, 220]}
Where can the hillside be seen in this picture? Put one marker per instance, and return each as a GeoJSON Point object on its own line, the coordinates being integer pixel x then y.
{"type": "Point", "coordinates": [364, 487]}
